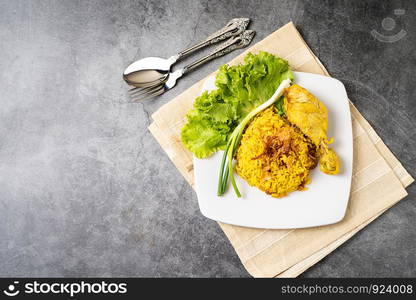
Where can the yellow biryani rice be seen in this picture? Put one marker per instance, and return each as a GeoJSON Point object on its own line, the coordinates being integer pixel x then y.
{"type": "Point", "coordinates": [274, 155]}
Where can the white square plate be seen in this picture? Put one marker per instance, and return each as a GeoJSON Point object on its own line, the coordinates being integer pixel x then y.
{"type": "Point", "coordinates": [324, 202]}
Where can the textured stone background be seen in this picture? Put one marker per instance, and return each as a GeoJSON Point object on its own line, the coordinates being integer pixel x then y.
{"type": "Point", "coordinates": [84, 188]}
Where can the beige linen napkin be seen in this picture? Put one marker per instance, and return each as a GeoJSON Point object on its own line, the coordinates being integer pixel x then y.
{"type": "Point", "coordinates": [378, 177]}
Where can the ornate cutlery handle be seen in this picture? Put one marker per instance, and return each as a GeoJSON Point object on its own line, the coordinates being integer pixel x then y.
{"type": "Point", "coordinates": [233, 27]}
{"type": "Point", "coordinates": [232, 44]}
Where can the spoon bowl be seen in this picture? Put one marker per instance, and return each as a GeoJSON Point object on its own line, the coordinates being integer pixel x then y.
{"type": "Point", "coordinates": [148, 71]}
{"type": "Point", "coordinates": [146, 78]}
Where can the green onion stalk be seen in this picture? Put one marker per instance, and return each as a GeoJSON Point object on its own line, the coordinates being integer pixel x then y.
{"type": "Point", "coordinates": [226, 167]}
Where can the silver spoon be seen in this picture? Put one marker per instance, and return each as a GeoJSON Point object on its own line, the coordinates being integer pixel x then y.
{"type": "Point", "coordinates": [240, 41]}
{"type": "Point", "coordinates": [153, 70]}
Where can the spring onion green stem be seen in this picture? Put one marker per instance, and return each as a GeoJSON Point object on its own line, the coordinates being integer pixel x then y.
{"type": "Point", "coordinates": [230, 167]}
{"type": "Point", "coordinates": [226, 167]}
{"type": "Point", "coordinates": [221, 185]}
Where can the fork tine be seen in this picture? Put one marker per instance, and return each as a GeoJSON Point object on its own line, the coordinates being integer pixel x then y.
{"type": "Point", "coordinates": [147, 94]}
{"type": "Point", "coordinates": [151, 83]}
{"type": "Point", "coordinates": [135, 96]}
{"type": "Point", "coordinates": [143, 88]}
{"type": "Point", "coordinates": [150, 95]}
{"type": "Point", "coordinates": [137, 92]}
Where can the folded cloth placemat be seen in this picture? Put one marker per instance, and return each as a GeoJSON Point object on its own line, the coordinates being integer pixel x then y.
{"type": "Point", "coordinates": [379, 180]}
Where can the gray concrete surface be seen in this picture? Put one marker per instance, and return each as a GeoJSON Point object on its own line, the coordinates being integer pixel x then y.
{"type": "Point", "coordinates": [84, 188]}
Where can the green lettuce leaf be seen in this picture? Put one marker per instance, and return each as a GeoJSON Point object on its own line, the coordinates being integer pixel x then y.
{"type": "Point", "coordinates": [240, 89]}
{"type": "Point", "coordinates": [203, 137]}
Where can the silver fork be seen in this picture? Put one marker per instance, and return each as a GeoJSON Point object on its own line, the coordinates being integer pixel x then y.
{"type": "Point", "coordinates": [138, 73]}
{"type": "Point", "coordinates": [236, 42]}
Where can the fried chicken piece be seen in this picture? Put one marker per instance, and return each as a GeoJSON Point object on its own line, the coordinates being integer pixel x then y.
{"type": "Point", "coordinates": [311, 116]}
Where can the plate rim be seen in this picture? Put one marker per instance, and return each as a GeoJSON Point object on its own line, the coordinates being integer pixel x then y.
{"type": "Point", "coordinates": [337, 218]}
